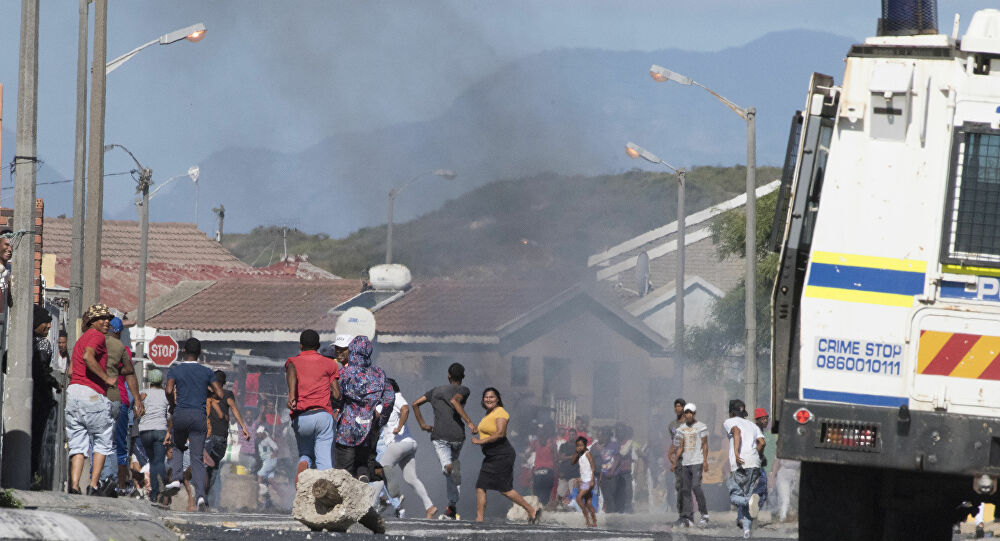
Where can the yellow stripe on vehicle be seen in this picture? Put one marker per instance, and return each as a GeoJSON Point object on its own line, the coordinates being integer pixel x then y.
{"type": "Point", "coordinates": [978, 358]}
{"type": "Point", "coordinates": [931, 343]}
{"type": "Point", "coordinates": [870, 261]}
{"type": "Point", "coordinates": [856, 296]}
{"type": "Point", "coordinates": [974, 271]}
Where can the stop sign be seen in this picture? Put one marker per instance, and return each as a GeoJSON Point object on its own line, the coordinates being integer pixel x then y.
{"type": "Point", "coordinates": [162, 350]}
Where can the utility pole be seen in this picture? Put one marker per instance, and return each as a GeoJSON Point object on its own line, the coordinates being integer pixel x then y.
{"type": "Point", "coordinates": [750, 310]}
{"type": "Point", "coordinates": [145, 179]}
{"type": "Point", "coordinates": [284, 243]}
{"type": "Point", "coordinates": [95, 158]}
{"type": "Point", "coordinates": [16, 465]}
{"type": "Point", "coordinates": [679, 280]}
{"type": "Point", "coordinates": [79, 179]}
{"type": "Point", "coordinates": [220, 212]}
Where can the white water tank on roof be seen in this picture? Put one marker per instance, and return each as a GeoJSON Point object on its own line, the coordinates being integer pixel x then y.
{"type": "Point", "coordinates": [391, 276]}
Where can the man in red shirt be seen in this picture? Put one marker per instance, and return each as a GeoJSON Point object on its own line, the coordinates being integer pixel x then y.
{"type": "Point", "coordinates": [312, 378]}
{"type": "Point", "coordinates": [88, 413]}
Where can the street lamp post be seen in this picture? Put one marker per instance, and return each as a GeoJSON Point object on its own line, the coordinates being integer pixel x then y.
{"type": "Point", "coordinates": [91, 272]}
{"type": "Point", "coordinates": [635, 151]}
{"type": "Point", "coordinates": [145, 179]}
{"type": "Point", "coordinates": [446, 174]}
{"type": "Point", "coordinates": [192, 174]}
{"type": "Point", "coordinates": [749, 114]}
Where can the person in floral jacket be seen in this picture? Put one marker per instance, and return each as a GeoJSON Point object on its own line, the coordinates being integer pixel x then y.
{"type": "Point", "coordinates": [363, 388]}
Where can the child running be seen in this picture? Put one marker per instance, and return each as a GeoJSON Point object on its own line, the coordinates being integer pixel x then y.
{"type": "Point", "coordinates": [586, 494]}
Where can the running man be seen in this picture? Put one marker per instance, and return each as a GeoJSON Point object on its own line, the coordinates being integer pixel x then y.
{"type": "Point", "coordinates": [744, 463]}
{"type": "Point", "coordinates": [192, 382]}
{"type": "Point", "coordinates": [448, 431]}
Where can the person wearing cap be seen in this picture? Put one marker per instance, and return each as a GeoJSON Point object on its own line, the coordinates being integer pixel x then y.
{"type": "Point", "coordinates": [767, 455]}
{"type": "Point", "coordinates": [312, 379]}
{"type": "Point", "coordinates": [689, 463]}
{"type": "Point", "coordinates": [192, 383]}
{"type": "Point", "coordinates": [154, 433]}
{"type": "Point", "coordinates": [43, 402]}
{"type": "Point", "coordinates": [448, 431]}
{"type": "Point", "coordinates": [88, 411]}
{"type": "Point", "coordinates": [745, 443]}
{"type": "Point", "coordinates": [122, 396]}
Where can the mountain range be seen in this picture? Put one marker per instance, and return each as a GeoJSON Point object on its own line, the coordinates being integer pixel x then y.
{"type": "Point", "coordinates": [568, 112]}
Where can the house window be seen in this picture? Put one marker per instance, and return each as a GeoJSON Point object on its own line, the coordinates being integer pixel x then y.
{"type": "Point", "coordinates": [519, 371]}
{"type": "Point", "coordinates": [555, 380]}
{"type": "Point", "coordinates": [606, 392]}
{"type": "Point", "coordinates": [972, 214]}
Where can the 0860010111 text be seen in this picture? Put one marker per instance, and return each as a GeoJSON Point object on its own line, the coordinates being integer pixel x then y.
{"type": "Point", "coordinates": [859, 356]}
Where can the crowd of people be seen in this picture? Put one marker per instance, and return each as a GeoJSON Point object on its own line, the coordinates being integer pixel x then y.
{"type": "Point", "coordinates": [342, 411]}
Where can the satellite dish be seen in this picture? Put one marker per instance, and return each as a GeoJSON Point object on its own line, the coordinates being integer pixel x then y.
{"type": "Point", "coordinates": [356, 321]}
{"type": "Point", "coordinates": [642, 274]}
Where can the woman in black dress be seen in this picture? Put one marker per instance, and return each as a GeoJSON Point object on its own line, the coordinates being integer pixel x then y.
{"type": "Point", "coordinates": [497, 471]}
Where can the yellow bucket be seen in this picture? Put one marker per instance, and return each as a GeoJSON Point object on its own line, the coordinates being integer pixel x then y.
{"type": "Point", "coordinates": [241, 470]}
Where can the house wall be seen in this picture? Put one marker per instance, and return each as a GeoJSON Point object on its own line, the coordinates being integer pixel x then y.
{"type": "Point", "coordinates": [592, 347]}
{"type": "Point", "coordinates": [697, 307]}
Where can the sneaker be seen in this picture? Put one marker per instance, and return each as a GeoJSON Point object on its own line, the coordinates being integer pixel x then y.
{"type": "Point", "coordinates": [746, 534]}
{"type": "Point", "coordinates": [682, 523]}
{"type": "Point", "coordinates": [202, 505]}
{"type": "Point", "coordinates": [450, 512]}
{"type": "Point", "coordinates": [704, 521]}
{"type": "Point", "coordinates": [171, 489]}
{"type": "Point", "coordinates": [400, 512]}
{"type": "Point", "coordinates": [754, 505]}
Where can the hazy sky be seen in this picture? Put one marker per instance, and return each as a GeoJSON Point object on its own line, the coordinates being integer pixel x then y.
{"type": "Point", "coordinates": [283, 75]}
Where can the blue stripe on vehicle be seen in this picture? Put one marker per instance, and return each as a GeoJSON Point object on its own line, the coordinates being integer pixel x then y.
{"type": "Point", "coordinates": [866, 279]}
{"type": "Point", "coordinates": [855, 398]}
{"type": "Point", "coordinates": [956, 290]}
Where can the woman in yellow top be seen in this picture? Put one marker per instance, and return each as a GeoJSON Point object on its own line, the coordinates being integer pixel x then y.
{"type": "Point", "coordinates": [497, 471]}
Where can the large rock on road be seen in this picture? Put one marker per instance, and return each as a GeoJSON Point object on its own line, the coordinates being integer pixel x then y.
{"type": "Point", "coordinates": [333, 500]}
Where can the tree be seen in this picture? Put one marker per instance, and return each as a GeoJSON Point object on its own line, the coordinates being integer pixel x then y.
{"type": "Point", "coordinates": [719, 344]}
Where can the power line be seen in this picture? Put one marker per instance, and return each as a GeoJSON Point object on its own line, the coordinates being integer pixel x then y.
{"type": "Point", "coordinates": [65, 180]}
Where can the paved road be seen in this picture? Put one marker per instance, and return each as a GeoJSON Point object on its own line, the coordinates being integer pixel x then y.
{"type": "Point", "coordinates": [242, 526]}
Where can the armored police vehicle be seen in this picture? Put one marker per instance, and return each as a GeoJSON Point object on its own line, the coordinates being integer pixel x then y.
{"type": "Point", "coordinates": [886, 310]}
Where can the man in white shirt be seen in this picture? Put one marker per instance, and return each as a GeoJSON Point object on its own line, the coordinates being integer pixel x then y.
{"type": "Point", "coordinates": [689, 463]}
{"type": "Point", "coordinates": [745, 444]}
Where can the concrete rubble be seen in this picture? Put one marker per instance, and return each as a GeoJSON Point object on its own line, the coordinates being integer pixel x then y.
{"type": "Point", "coordinates": [333, 500]}
{"type": "Point", "coordinates": [516, 513]}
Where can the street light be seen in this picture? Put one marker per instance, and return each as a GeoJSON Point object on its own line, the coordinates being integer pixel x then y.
{"type": "Point", "coordinates": [191, 174]}
{"type": "Point", "coordinates": [145, 179]}
{"type": "Point", "coordinates": [85, 286]}
{"type": "Point", "coordinates": [193, 33]}
{"type": "Point", "coordinates": [446, 174]}
{"type": "Point", "coordinates": [635, 151]}
{"type": "Point", "coordinates": [749, 114]}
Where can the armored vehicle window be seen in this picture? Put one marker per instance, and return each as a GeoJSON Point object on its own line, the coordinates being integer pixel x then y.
{"type": "Point", "coordinates": [972, 214]}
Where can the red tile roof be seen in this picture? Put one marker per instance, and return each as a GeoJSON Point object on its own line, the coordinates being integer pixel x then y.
{"type": "Point", "coordinates": [443, 306]}
{"type": "Point", "coordinates": [169, 242]}
{"type": "Point", "coordinates": [275, 304]}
